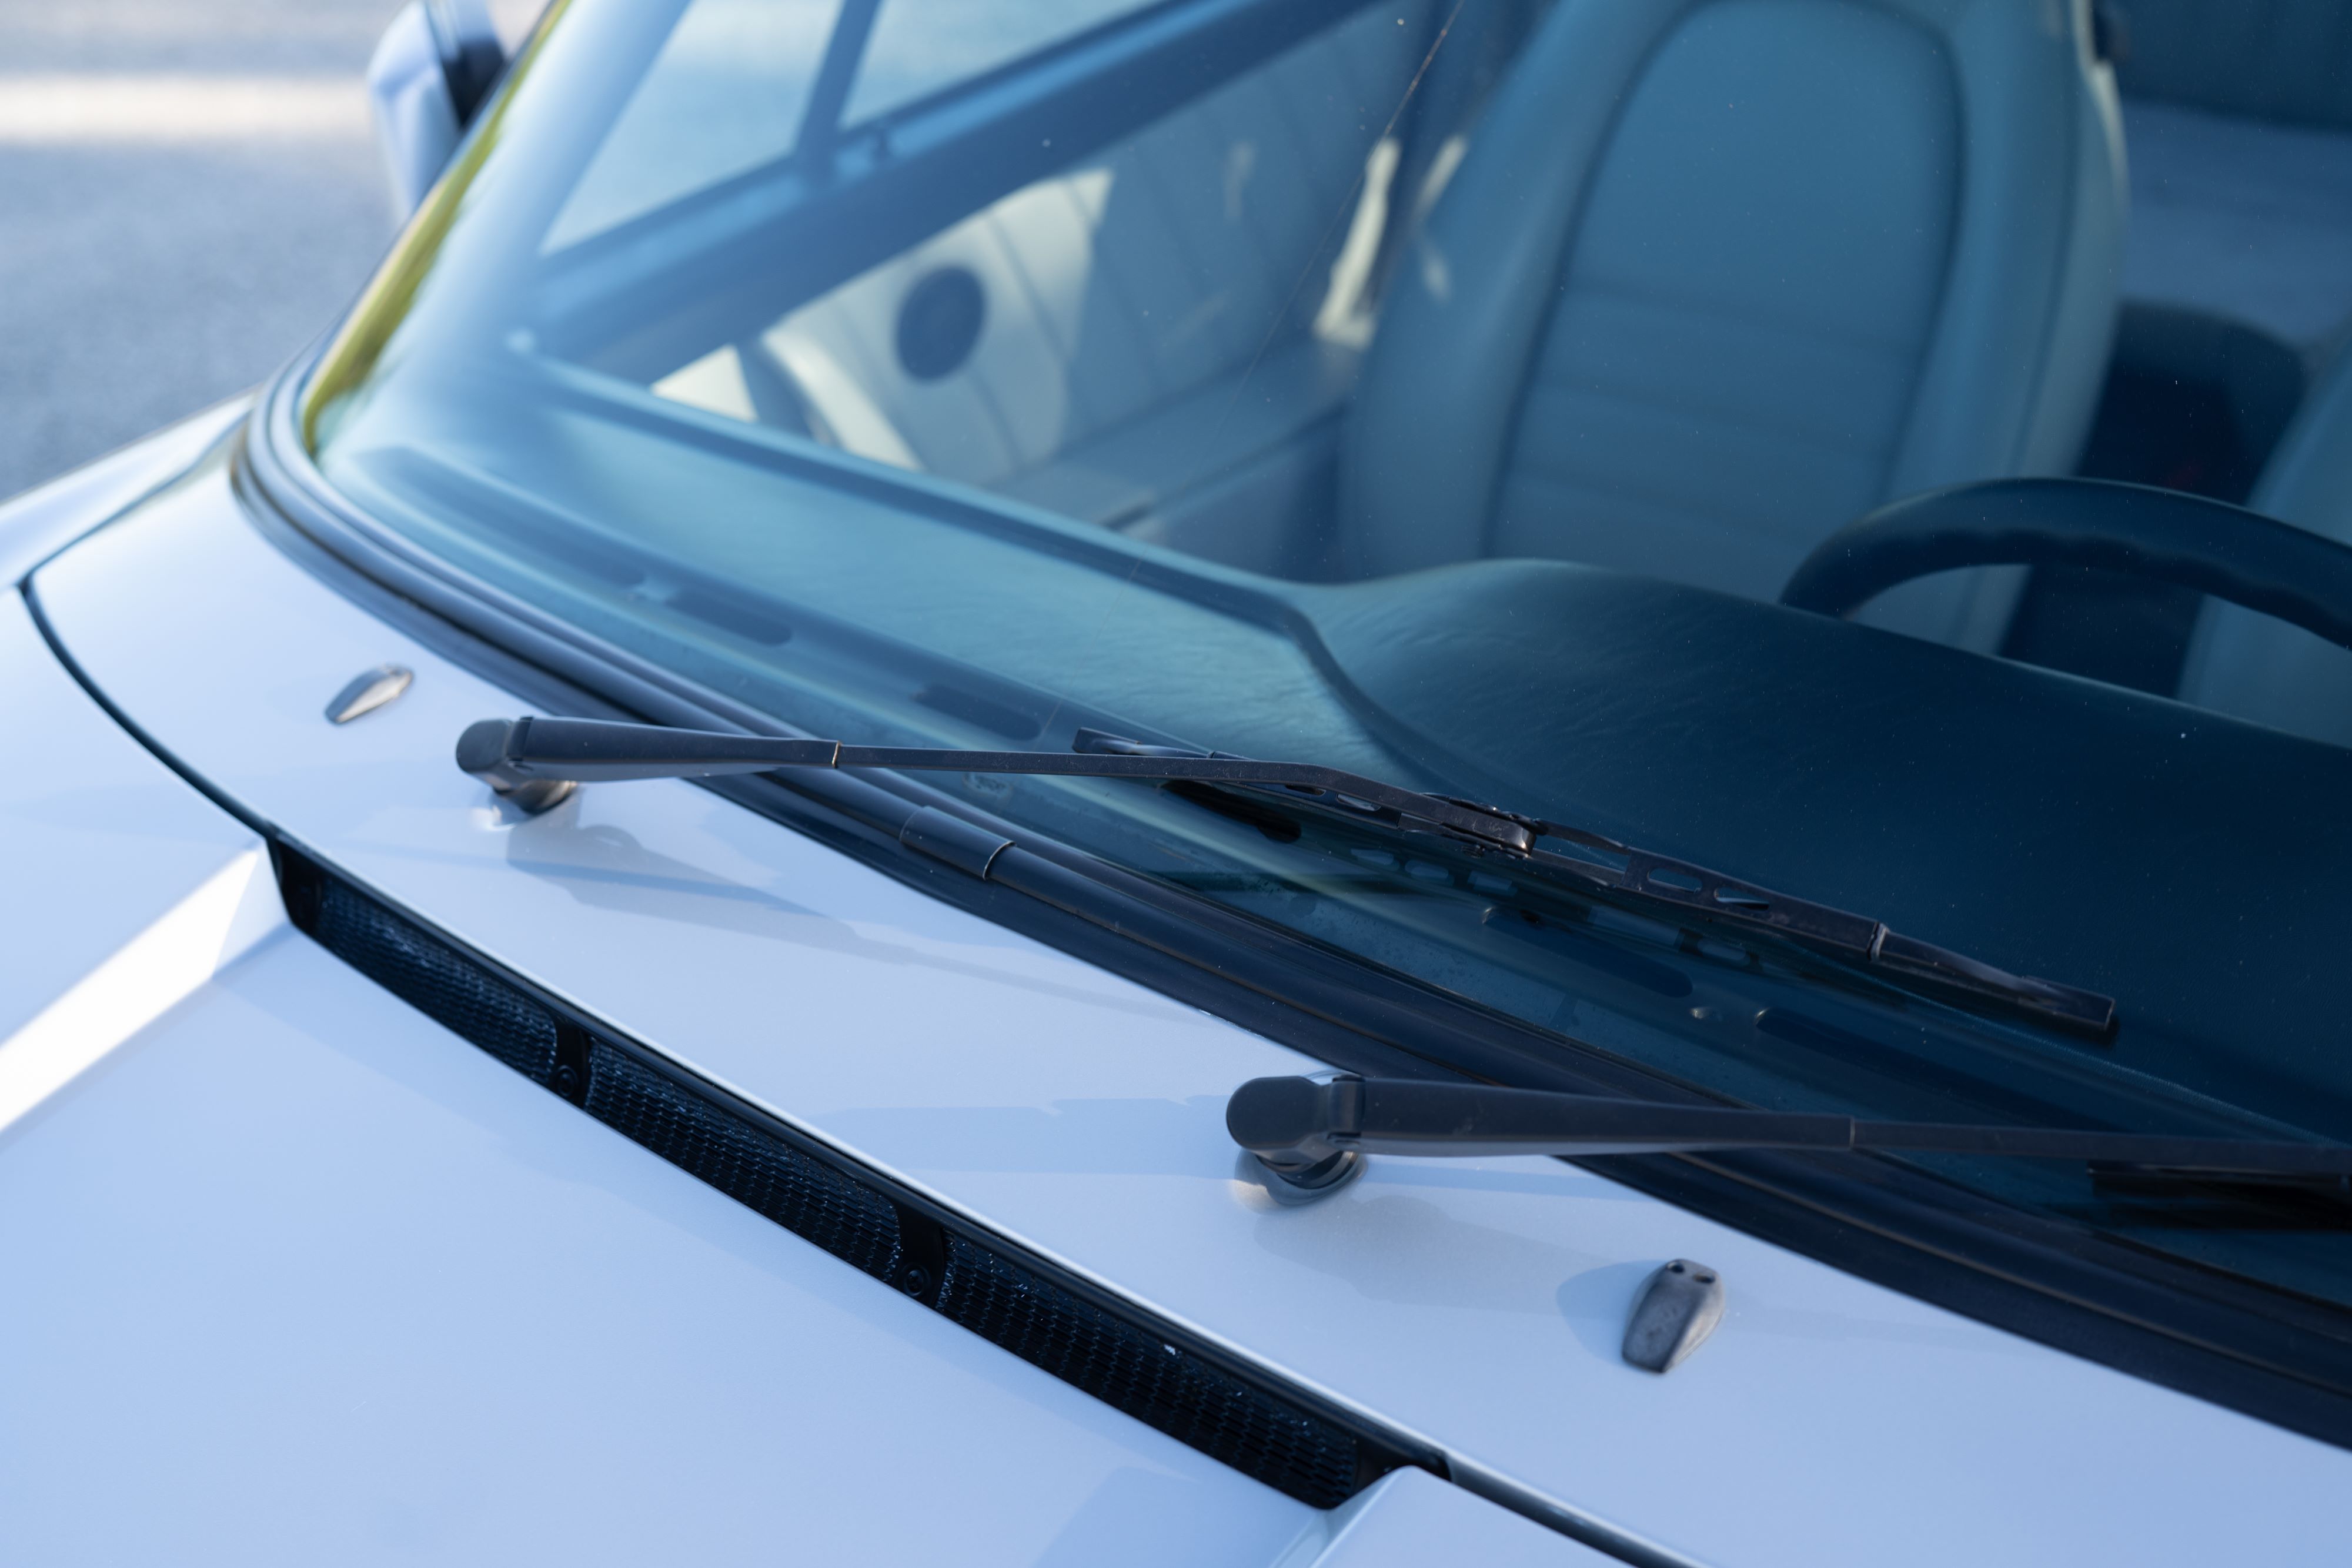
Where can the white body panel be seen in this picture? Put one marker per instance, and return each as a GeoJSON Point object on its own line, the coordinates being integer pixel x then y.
{"type": "Point", "coordinates": [295, 1276]}
{"type": "Point", "coordinates": [1410, 1518]}
{"type": "Point", "coordinates": [1476, 1303]}
{"type": "Point", "coordinates": [40, 522]}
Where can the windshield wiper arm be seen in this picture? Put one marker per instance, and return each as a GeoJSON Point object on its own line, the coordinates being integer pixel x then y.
{"type": "Point", "coordinates": [535, 762]}
{"type": "Point", "coordinates": [1311, 1134]}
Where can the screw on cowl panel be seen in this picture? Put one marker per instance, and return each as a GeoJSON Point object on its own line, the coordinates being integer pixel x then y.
{"type": "Point", "coordinates": [922, 1261]}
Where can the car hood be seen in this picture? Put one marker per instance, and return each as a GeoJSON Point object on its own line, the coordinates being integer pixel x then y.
{"type": "Point", "coordinates": [327, 1284]}
{"type": "Point", "coordinates": [361, 1284]}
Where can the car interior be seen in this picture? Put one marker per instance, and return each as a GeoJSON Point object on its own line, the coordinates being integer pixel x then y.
{"type": "Point", "coordinates": [1605, 281]}
{"type": "Point", "coordinates": [1456, 393]}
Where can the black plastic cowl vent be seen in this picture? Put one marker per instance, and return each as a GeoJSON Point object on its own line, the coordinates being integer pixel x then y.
{"type": "Point", "coordinates": [1107, 1349]}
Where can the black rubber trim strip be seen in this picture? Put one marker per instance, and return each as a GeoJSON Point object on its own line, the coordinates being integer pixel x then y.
{"type": "Point", "coordinates": [2270, 1353]}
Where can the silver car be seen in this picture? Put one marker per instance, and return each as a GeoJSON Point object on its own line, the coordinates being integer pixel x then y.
{"type": "Point", "coordinates": [1270, 782]}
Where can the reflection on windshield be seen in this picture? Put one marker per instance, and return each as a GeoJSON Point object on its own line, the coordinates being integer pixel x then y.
{"type": "Point", "coordinates": [1083, 343]}
{"type": "Point", "coordinates": [725, 94]}
{"type": "Point", "coordinates": [918, 49]}
{"type": "Point", "coordinates": [1443, 391]}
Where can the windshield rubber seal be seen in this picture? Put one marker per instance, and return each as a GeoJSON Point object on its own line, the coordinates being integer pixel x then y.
{"type": "Point", "coordinates": [2271, 1354]}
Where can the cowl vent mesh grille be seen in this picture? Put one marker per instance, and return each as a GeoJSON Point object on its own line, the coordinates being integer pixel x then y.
{"type": "Point", "coordinates": [431, 976]}
{"type": "Point", "coordinates": [1126, 1363]}
{"type": "Point", "coordinates": [1155, 1382]}
{"type": "Point", "coordinates": [847, 1219]}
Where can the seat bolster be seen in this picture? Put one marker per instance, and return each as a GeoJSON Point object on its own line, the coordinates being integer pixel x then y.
{"type": "Point", "coordinates": [2254, 667]}
{"type": "Point", "coordinates": [2029, 309]}
{"type": "Point", "coordinates": [2012, 372]}
{"type": "Point", "coordinates": [1423, 446]}
{"type": "Point", "coordinates": [2308, 482]}
{"type": "Point", "coordinates": [2019, 360]}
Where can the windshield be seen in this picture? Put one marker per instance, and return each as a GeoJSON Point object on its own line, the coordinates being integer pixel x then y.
{"type": "Point", "coordinates": [1446, 392]}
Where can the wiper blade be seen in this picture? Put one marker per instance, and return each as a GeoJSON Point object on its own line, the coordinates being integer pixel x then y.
{"type": "Point", "coordinates": [535, 762]}
{"type": "Point", "coordinates": [1312, 1134]}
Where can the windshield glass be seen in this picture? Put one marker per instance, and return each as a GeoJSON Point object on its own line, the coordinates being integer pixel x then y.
{"type": "Point", "coordinates": [1447, 392]}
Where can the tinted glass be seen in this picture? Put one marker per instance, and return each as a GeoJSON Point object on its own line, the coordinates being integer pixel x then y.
{"type": "Point", "coordinates": [1450, 392]}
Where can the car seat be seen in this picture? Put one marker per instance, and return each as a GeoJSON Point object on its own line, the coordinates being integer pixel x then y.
{"type": "Point", "coordinates": [1717, 277]}
{"type": "Point", "coordinates": [2247, 665]}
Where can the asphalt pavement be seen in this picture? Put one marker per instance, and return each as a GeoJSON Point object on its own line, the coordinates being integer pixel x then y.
{"type": "Point", "coordinates": [189, 192]}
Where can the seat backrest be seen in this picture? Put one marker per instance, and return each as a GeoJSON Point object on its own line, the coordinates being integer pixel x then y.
{"type": "Point", "coordinates": [1143, 273]}
{"type": "Point", "coordinates": [2286, 60]}
{"type": "Point", "coordinates": [2249, 666]}
{"type": "Point", "coordinates": [1717, 277]}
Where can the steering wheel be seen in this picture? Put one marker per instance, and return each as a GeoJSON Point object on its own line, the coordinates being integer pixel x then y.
{"type": "Point", "coordinates": [2265, 565]}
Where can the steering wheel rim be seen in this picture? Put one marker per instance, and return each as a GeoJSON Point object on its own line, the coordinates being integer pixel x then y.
{"type": "Point", "coordinates": [2274, 568]}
